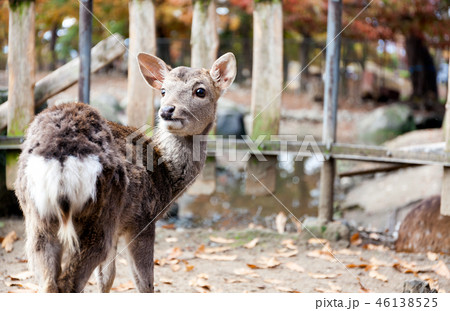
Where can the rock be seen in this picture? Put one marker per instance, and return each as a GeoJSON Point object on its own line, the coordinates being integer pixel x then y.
{"type": "Point", "coordinates": [230, 123]}
{"type": "Point", "coordinates": [3, 96]}
{"type": "Point", "coordinates": [108, 105]}
{"type": "Point", "coordinates": [417, 286]}
{"type": "Point", "coordinates": [424, 229]}
{"type": "Point", "coordinates": [385, 123]}
{"type": "Point", "coordinates": [333, 231]}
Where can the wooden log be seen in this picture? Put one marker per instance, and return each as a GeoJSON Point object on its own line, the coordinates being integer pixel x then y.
{"type": "Point", "coordinates": [21, 65]}
{"type": "Point", "coordinates": [445, 202]}
{"type": "Point", "coordinates": [84, 48]}
{"type": "Point", "coordinates": [64, 77]}
{"type": "Point", "coordinates": [140, 96]}
{"type": "Point", "coordinates": [267, 85]}
{"type": "Point", "coordinates": [204, 46]}
{"type": "Point", "coordinates": [327, 173]}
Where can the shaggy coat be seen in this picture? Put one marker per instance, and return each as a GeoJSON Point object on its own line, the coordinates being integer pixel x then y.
{"type": "Point", "coordinates": [79, 192]}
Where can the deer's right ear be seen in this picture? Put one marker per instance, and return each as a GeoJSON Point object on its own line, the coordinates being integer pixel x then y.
{"type": "Point", "coordinates": [153, 69]}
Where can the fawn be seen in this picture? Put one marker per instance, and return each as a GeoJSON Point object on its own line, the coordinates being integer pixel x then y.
{"type": "Point", "coordinates": [79, 193]}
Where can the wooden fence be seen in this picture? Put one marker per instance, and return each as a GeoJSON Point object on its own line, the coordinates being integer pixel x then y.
{"type": "Point", "coordinates": [267, 86]}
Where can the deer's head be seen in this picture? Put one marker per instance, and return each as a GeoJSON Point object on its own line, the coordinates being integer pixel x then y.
{"type": "Point", "coordinates": [189, 96]}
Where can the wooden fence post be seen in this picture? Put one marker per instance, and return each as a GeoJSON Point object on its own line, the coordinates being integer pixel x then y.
{"type": "Point", "coordinates": [140, 96]}
{"type": "Point", "coordinates": [84, 47]}
{"type": "Point", "coordinates": [204, 46]}
{"type": "Point", "coordinates": [267, 84]}
{"type": "Point", "coordinates": [445, 196]}
{"type": "Point", "coordinates": [21, 65]}
{"type": "Point", "coordinates": [327, 172]}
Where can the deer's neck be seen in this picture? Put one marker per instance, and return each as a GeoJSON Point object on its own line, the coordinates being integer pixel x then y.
{"type": "Point", "coordinates": [183, 158]}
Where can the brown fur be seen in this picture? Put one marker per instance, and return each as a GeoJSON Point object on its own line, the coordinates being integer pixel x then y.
{"type": "Point", "coordinates": [424, 229]}
{"type": "Point", "coordinates": [129, 197]}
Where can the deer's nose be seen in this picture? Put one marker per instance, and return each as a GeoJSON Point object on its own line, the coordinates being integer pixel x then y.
{"type": "Point", "coordinates": [167, 112]}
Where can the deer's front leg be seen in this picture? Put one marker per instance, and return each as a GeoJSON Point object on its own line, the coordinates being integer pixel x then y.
{"type": "Point", "coordinates": [140, 254]}
{"type": "Point", "coordinates": [96, 241]}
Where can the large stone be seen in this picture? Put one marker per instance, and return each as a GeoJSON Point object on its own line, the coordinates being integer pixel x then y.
{"type": "Point", "coordinates": [230, 123]}
{"type": "Point", "coordinates": [332, 231]}
{"type": "Point", "coordinates": [417, 286]}
{"type": "Point", "coordinates": [385, 123]}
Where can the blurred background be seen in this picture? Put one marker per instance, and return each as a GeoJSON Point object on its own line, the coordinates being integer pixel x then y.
{"type": "Point", "coordinates": [393, 80]}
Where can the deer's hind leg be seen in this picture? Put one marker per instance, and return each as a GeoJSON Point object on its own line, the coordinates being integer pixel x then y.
{"type": "Point", "coordinates": [106, 271]}
{"type": "Point", "coordinates": [44, 252]}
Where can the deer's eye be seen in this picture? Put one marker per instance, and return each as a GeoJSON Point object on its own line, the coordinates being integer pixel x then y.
{"type": "Point", "coordinates": [163, 92]}
{"type": "Point", "coordinates": [200, 92]}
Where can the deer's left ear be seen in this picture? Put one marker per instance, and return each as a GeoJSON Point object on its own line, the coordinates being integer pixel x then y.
{"type": "Point", "coordinates": [223, 71]}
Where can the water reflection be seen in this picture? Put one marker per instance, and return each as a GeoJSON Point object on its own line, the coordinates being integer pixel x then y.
{"type": "Point", "coordinates": [229, 206]}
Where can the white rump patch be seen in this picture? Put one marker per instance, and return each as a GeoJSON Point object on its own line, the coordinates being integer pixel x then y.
{"type": "Point", "coordinates": [48, 181]}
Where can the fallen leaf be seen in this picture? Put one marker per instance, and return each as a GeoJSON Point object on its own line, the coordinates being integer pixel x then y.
{"type": "Point", "coordinates": [287, 254]}
{"type": "Point", "coordinates": [335, 287]}
{"type": "Point", "coordinates": [32, 286]}
{"type": "Point", "coordinates": [294, 267]}
{"type": "Point", "coordinates": [173, 261]}
{"type": "Point", "coordinates": [271, 262]}
{"type": "Point", "coordinates": [378, 262]}
{"type": "Point", "coordinates": [315, 241]}
{"type": "Point", "coordinates": [280, 222]}
{"type": "Point", "coordinates": [323, 276]}
{"type": "Point", "coordinates": [432, 256]}
{"type": "Point", "coordinates": [161, 262]}
{"type": "Point", "coordinates": [252, 266]}
{"type": "Point", "coordinates": [171, 239]}
{"type": "Point", "coordinates": [124, 287]}
{"type": "Point", "coordinates": [9, 240]}
{"type": "Point", "coordinates": [361, 266]}
{"type": "Point", "coordinates": [245, 271]}
{"type": "Point", "coordinates": [187, 266]}
{"type": "Point", "coordinates": [252, 243]}
{"type": "Point", "coordinates": [380, 247]}
{"type": "Point", "coordinates": [169, 226]}
{"type": "Point", "coordinates": [234, 281]}
{"type": "Point", "coordinates": [441, 269]}
{"type": "Point", "coordinates": [174, 253]}
{"type": "Point", "coordinates": [286, 289]}
{"type": "Point", "coordinates": [216, 257]}
{"type": "Point", "coordinates": [21, 276]}
{"type": "Point", "coordinates": [175, 267]}
{"type": "Point", "coordinates": [203, 276]}
{"type": "Point", "coordinates": [376, 275]}
{"type": "Point", "coordinates": [273, 281]}
{"type": "Point", "coordinates": [199, 282]}
{"type": "Point", "coordinates": [165, 281]}
{"type": "Point", "coordinates": [289, 243]}
{"type": "Point", "coordinates": [221, 240]}
{"type": "Point", "coordinates": [362, 287]}
{"type": "Point", "coordinates": [213, 250]}
{"type": "Point", "coordinates": [355, 239]}
{"type": "Point", "coordinates": [318, 253]}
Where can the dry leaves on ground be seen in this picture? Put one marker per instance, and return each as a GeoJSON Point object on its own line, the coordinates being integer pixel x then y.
{"type": "Point", "coordinates": [294, 267]}
{"type": "Point", "coordinates": [265, 263]}
{"type": "Point", "coordinates": [212, 250]}
{"type": "Point", "coordinates": [289, 243]}
{"type": "Point", "coordinates": [247, 272]}
{"type": "Point", "coordinates": [286, 289]}
{"type": "Point", "coordinates": [280, 222]}
{"type": "Point", "coordinates": [286, 254]}
{"type": "Point", "coordinates": [323, 276]}
{"type": "Point", "coordinates": [124, 287]}
{"type": "Point", "coordinates": [8, 241]}
{"type": "Point", "coordinates": [315, 241]}
{"type": "Point", "coordinates": [323, 253]}
{"type": "Point", "coordinates": [432, 256]}
{"type": "Point", "coordinates": [376, 275]}
{"type": "Point", "coordinates": [235, 281]}
{"type": "Point", "coordinates": [221, 240]}
{"type": "Point", "coordinates": [21, 276]}
{"type": "Point", "coordinates": [441, 269]}
{"type": "Point", "coordinates": [174, 253]}
{"type": "Point", "coordinates": [200, 282]}
{"type": "Point", "coordinates": [252, 243]}
{"type": "Point", "coordinates": [216, 257]}
{"type": "Point", "coordinates": [333, 288]}
{"type": "Point", "coordinates": [166, 281]}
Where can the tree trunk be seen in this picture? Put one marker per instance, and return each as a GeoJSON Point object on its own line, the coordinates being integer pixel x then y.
{"type": "Point", "coordinates": [21, 69]}
{"type": "Point", "coordinates": [54, 60]}
{"type": "Point", "coordinates": [140, 108]}
{"type": "Point", "coordinates": [422, 69]}
{"type": "Point", "coordinates": [204, 38]}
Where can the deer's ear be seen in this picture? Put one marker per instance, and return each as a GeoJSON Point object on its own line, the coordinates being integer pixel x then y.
{"type": "Point", "coordinates": [223, 71]}
{"type": "Point", "coordinates": [153, 69]}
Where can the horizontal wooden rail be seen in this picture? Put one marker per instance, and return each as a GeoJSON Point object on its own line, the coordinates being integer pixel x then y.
{"type": "Point", "coordinates": [432, 156]}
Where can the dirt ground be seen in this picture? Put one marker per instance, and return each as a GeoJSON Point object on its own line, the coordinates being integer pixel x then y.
{"type": "Point", "coordinates": [284, 266]}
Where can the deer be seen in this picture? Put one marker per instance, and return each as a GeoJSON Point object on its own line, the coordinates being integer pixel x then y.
{"type": "Point", "coordinates": [79, 192]}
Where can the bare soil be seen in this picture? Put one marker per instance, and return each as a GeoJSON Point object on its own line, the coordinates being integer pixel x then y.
{"type": "Point", "coordinates": [320, 274]}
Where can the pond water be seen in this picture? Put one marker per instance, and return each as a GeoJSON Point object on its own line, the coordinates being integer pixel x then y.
{"type": "Point", "coordinates": [230, 207]}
